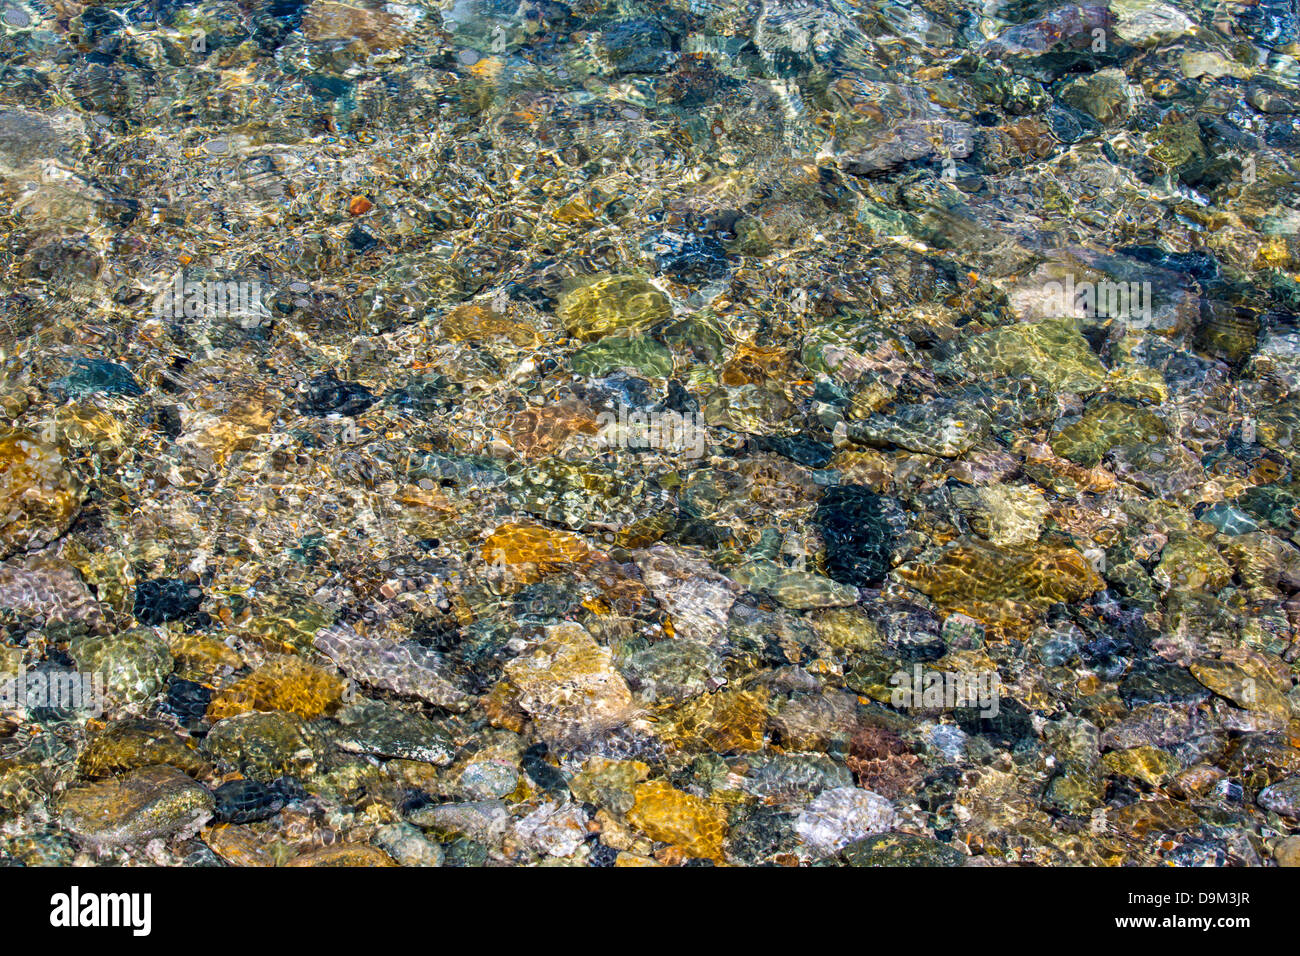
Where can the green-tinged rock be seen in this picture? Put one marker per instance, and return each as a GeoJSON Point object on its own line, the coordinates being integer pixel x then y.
{"type": "Point", "coordinates": [901, 849]}
{"type": "Point", "coordinates": [1075, 791]}
{"type": "Point", "coordinates": [1104, 95]}
{"type": "Point", "coordinates": [642, 355]}
{"type": "Point", "coordinates": [262, 746]}
{"type": "Point", "coordinates": [626, 304]}
{"type": "Point", "coordinates": [484, 821]}
{"type": "Point", "coordinates": [1103, 426]}
{"type": "Point", "coordinates": [384, 730]}
{"type": "Point", "coordinates": [144, 805]}
{"type": "Point", "coordinates": [609, 783]}
{"type": "Point", "coordinates": [800, 590]}
{"type": "Point", "coordinates": [1190, 563]}
{"type": "Point", "coordinates": [940, 427]}
{"type": "Point", "coordinates": [134, 664]}
{"type": "Point", "coordinates": [1052, 351]}
{"type": "Point", "coordinates": [673, 670]}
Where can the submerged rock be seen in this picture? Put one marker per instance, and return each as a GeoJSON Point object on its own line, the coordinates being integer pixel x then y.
{"type": "Point", "coordinates": [860, 529]}
{"type": "Point", "coordinates": [939, 427]}
{"type": "Point", "coordinates": [144, 805]}
{"type": "Point", "coordinates": [39, 498]}
{"type": "Point", "coordinates": [408, 669]}
{"type": "Point", "coordinates": [624, 304]}
{"type": "Point", "coordinates": [997, 585]}
{"type": "Point", "coordinates": [387, 731]}
{"type": "Point", "coordinates": [671, 816]}
{"type": "Point", "coordinates": [569, 686]}
{"type": "Point", "coordinates": [835, 818]}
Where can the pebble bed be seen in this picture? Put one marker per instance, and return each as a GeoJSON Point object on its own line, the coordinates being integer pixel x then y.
{"type": "Point", "coordinates": [629, 433]}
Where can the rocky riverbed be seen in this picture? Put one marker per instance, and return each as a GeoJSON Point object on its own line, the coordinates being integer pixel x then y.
{"type": "Point", "coordinates": [733, 432]}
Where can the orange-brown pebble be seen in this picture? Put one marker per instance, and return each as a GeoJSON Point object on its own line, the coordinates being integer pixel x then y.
{"type": "Point", "coordinates": [360, 205]}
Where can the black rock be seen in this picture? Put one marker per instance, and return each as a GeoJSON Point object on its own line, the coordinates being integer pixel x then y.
{"type": "Point", "coordinates": [1159, 682]}
{"type": "Point", "coordinates": [681, 401]}
{"type": "Point", "coordinates": [687, 255]}
{"type": "Point", "coordinates": [361, 240]}
{"type": "Point", "coordinates": [859, 528]}
{"type": "Point", "coordinates": [1202, 266]}
{"type": "Point", "coordinates": [165, 599]}
{"type": "Point", "coordinates": [806, 451]}
{"type": "Point", "coordinates": [1012, 723]}
{"type": "Point", "coordinates": [547, 776]}
{"type": "Point", "coordinates": [244, 801]}
{"type": "Point", "coordinates": [602, 855]}
{"type": "Point", "coordinates": [913, 633]}
{"type": "Point", "coordinates": [326, 394]}
{"type": "Point", "coordinates": [168, 418]}
{"type": "Point", "coordinates": [187, 699]}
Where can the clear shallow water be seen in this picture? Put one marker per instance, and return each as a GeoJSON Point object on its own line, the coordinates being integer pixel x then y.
{"type": "Point", "coordinates": [611, 434]}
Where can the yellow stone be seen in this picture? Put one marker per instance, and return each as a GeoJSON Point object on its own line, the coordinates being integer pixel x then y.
{"type": "Point", "coordinates": [515, 544]}
{"type": "Point", "coordinates": [575, 210]}
{"type": "Point", "coordinates": [1009, 514]}
{"type": "Point", "coordinates": [622, 303]}
{"type": "Point", "coordinates": [1273, 254]}
{"type": "Point", "coordinates": [846, 627]}
{"type": "Point", "coordinates": [86, 426]}
{"type": "Point", "coordinates": [38, 496]}
{"type": "Point", "coordinates": [242, 846]}
{"type": "Point", "coordinates": [222, 432]}
{"type": "Point", "coordinates": [1052, 351]}
{"type": "Point", "coordinates": [201, 654]}
{"type": "Point", "coordinates": [1152, 816]}
{"type": "Point", "coordinates": [1003, 585]}
{"type": "Point", "coordinates": [569, 686]}
{"type": "Point", "coordinates": [1148, 764]}
{"type": "Point", "coordinates": [130, 744]}
{"type": "Point", "coordinates": [287, 684]}
{"type": "Point", "coordinates": [344, 854]}
{"type": "Point", "coordinates": [1189, 563]}
{"type": "Point", "coordinates": [755, 364]}
{"type": "Point", "coordinates": [1138, 382]}
{"type": "Point", "coordinates": [111, 578]}
{"type": "Point", "coordinates": [474, 322]}
{"type": "Point", "coordinates": [625, 859]}
{"type": "Point", "coordinates": [688, 822]}
{"type": "Point", "coordinates": [730, 720]}
{"type": "Point", "coordinates": [1250, 688]}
